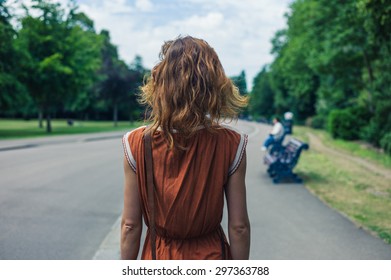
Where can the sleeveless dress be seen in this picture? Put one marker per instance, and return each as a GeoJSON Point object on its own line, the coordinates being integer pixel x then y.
{"type": "Point", "coordinates": [189, 191]}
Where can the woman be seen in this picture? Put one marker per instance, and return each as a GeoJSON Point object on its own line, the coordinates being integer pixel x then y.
{"type": "Point", "coordinates": [195, 161]}
{"type": "Point", "coordinates": [276, 134]}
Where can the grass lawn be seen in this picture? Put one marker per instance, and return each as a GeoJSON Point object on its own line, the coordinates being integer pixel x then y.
{"type": "Point", "coordinates": [364, 196]}
{"type": "Point", "coordinates": [356, 148]}
{"type": "Point", "coordinates": [11, 129]}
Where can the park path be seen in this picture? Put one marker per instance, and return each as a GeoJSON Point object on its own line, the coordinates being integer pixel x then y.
{"type": "Point", "coordinates": [317, 144]}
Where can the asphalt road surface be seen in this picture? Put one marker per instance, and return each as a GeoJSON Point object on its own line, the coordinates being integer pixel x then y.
{"type": "Point", "coordinates": [61, 200]}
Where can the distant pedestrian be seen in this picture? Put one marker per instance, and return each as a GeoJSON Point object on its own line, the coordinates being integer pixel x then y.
{"type": "Point", "coordinates": [288, 122]}
{"type": "Point", "coordinates": [275, 134]}
{"type": "Point", "coordinates": [196, 160]}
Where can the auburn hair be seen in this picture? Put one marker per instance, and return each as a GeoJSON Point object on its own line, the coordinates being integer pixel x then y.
{"type": "Point", "coordinates": [187, 89]}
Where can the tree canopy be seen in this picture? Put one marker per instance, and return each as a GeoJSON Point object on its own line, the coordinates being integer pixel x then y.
{"type": "Point", "coordinates": [332, 56]}
{"type": "Point", "coordinates": [56, 64]}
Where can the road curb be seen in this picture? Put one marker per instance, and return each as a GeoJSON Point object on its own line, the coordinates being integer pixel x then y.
{"type": "Point", "coordinates": [17, 144]}
{"type": "Point", "coordinates": [109, 248]}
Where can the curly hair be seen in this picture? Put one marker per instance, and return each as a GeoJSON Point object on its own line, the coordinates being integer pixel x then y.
{"type": "Point", "coordinates": [187, 89]}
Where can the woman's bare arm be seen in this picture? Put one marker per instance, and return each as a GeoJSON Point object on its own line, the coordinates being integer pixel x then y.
{"type": "Point", "coordinates": [238, 221]}
{"type": "Point", "coordinates": [131, 225]}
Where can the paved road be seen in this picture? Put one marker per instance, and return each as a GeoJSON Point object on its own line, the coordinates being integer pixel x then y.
{"type": "Point", "coordinates": [63, 201]}
{"type": "Point", "coordinates": [59, 199]}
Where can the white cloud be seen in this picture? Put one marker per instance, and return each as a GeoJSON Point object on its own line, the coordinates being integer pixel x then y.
{"type": "Point", "coordinates": [144, 5]}
{"type": "Point", "coordinates": [239, 31]}
{"type": "Point", "coordinates": [103, 12]}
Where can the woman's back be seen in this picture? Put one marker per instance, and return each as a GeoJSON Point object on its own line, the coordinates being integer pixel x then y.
{"type": "Point", "coordinates": [189, 190]}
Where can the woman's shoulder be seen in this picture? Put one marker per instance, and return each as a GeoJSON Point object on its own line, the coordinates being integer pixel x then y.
{"type": "Point", "coordinates": [230, 132]}
{"type": "Point", "coordinates": [135, 133]}
{"type": "Point", "coordinates": [236, 142]}
{"type": "Point", "coordinates": [131, 142]}
{"type": "Point", "coordinates": [134, 137]}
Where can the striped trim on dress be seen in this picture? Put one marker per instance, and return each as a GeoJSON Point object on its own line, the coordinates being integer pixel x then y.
{"type": "Point", "coordinates": [239, 154]}
{"type": "Point", "coordinates": [128, 151]}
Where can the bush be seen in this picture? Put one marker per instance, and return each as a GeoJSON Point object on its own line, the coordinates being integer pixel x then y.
{"type": "Point", "coordinates": [318, 122]}
{"type": "Point", "coordinates": [385, 143]}
{"type": "Point", "coordinates": [339, 125]}
{"type": "Point", "coordinates": [347, 123]}
{"type": "Point", "coordinates": [380, 123]}
{"type": "Point", "coordinates": [371, 133]}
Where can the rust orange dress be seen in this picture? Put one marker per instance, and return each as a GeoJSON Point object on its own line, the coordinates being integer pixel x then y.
{"type": "Point", "coordinates": [189, 194]}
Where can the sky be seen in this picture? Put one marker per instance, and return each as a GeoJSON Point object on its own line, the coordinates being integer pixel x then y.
{"type": "Point", "coordinates": [239, 30]}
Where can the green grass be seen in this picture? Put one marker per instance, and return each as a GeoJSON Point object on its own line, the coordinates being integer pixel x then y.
{"type": "Point", "coordinates": [355, 191]}
{"type": "Point", "coordinates": [12, 129]}
{"type": "Point", "coordinates": [355, 148]}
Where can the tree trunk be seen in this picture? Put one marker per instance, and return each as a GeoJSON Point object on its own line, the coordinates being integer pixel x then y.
{"type": "Point", "coordinates": [115, 115]}
{"type": "Point", "coordinates": [130, 118]}
{"type": "Point", "coordinates": [48, 124]}
{"type": "Point", "coordinates": [40, 118]}
{"type": "Point", "coordinates": [371, 80]}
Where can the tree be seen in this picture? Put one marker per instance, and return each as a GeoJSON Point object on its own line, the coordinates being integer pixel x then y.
{"type": "Point", "coordinates": [83, 47]}
{"type": "Point", "coordinates": [138, 74]}
{"type": "Point", "coordinates": [60, 58]}
{"type": "Point", "coordinates": [293, 81]}
{"type": "Point", "coordinates": [119, 82]}
{"type": "Point", "coordinates": [240, 82]}
{"type": "Point", "coordinates": [376, 20]}
{"type": "Point", "coordinates": [12, 93]}
{"type": "Point", "coordinates": [262, 96]}
{"type": "Point", "coordinates": [333, 56]}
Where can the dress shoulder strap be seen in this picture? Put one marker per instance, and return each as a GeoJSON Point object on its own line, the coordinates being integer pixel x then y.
{"type": "Point", "coordinates": [150, 189]}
